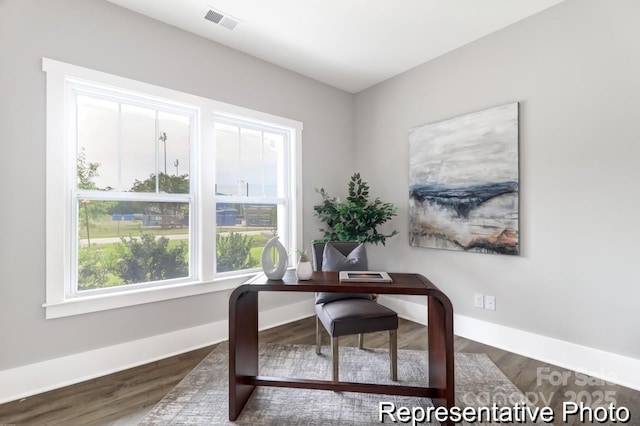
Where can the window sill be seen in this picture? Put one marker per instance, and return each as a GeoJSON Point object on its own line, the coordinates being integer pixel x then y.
{"type": "Point", "coordinates": [103, 302]}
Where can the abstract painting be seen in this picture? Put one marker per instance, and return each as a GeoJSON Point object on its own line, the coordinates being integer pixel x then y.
{"type": "Point", "coordinates": [463, 182]}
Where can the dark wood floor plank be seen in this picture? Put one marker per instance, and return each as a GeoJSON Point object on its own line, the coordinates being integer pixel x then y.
{"type": "Point", "coordinates": [123, 398]}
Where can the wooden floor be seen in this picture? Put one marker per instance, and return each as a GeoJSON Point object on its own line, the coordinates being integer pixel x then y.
{"type": "Point", "coordinates": [124, 398]}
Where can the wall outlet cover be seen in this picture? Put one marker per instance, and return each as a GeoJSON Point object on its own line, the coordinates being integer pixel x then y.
{"type": "Point", "coordinates": [490, 303]}
{"type": "Point", "coordinates": [478, 300]}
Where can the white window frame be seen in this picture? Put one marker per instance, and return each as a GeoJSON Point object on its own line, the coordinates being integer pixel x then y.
{"type": "Point", "coordinates": [284, 208]}
{"type": "Point", "coordinates": [61, 178]}
{"type": "Point", "coordinates": [75, 88]}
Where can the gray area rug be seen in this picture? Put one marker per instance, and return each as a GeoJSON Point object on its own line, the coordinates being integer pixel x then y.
{"type": "Point", "coordinates": [202, 398]}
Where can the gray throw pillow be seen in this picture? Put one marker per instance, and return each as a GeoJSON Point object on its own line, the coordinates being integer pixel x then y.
{"type": "Point", "coordinates": [333, 260]}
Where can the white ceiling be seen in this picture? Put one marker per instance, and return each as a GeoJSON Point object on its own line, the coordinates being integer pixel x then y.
{"type": "Point", "coordinates": [349, 44]}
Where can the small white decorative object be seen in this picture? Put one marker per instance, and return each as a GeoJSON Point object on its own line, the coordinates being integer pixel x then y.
{"type": "Point", "coordinates": [304, 269]}
{"type": "Point", "coordinates": [274, 272]}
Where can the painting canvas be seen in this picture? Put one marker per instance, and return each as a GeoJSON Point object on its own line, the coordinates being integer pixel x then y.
{"type": "Point", "coordinates": [463, 182]}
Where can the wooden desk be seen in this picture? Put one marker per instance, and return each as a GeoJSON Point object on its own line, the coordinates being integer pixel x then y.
{"type": "Point", "coordinates": [243, 337]}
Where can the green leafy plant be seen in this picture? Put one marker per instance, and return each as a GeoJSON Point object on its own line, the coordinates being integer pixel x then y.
{"type": "Point", "coordinates": [97, 267]}
{"type": "Point", "coordinates": [304, 256]}
{"type": "Point", "coordinates": [357, 218]}
{"type": "Point", "coordinates": [150, 258]}
{"type": "Point", "coordinates": [233, 252]}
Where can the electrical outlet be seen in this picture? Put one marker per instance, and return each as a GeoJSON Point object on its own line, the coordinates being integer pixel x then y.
{"type": "Point", "coordinates": [490, 303]}
{"type": "Point", "coordinates": [478, 300]}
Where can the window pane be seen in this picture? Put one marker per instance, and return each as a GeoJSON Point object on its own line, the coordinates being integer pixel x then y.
{"type": "Point", "coordinates": [251, 163]}
{"type": "Point", "coordinates": [139, 149]}
{"type": "Point", "coordinates": [127, 242]}
{"type": "Point", "coordinates": [228, 160]}
{"type": "Point", "coordinates": [97, 143]}
{"type": "Point", "coordinates": [273, 165]}
{"type": "Point", "coordinates": [174, 149]}
{"type": "Point", "coordinates": [242, 231]}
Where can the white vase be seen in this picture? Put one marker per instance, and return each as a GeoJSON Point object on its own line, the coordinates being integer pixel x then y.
{"type": "Point", "coordinates": [304, 270]}
{"type": "Point", "coordinates": [274, 272]}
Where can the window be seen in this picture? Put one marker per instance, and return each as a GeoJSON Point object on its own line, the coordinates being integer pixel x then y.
{"type": "Point", "coordinates": [125, 196]}
{"type": "Point", "coordinates": [154, 194]}
{"type": "Point", "coordinates": [251, 191]}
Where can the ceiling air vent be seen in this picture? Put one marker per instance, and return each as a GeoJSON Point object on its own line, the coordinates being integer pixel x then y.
{"type": "Point", "coordinates": [221, 19]}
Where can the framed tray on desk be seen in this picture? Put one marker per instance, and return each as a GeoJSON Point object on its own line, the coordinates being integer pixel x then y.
{"type": "Point", "coordinates": [364, 277]}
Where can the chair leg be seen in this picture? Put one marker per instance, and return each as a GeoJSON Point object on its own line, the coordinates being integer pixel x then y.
{"type": "Point", "coordinates": [393, 353]}
{"type": "Point", "coordinates": [318, 335]}
{"type": "Point", "coordinates": [335, 358]}
{"type": "Point", "coordinates": [360, 341]}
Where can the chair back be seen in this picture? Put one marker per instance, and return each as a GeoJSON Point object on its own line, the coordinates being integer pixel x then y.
{"type": "Point", "coordinates": [344, 247]}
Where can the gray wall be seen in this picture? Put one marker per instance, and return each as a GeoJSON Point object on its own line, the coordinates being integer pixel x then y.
{"type": "Point", "coordinates": [575, 69]}
{"type": "Point", "coordinates": [99, 35]}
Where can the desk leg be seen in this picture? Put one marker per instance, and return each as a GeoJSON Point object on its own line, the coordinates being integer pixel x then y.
{"type": "Point", "coordinates": [243, 349]}
{"type": "Point", "coordinates": [441, 350]}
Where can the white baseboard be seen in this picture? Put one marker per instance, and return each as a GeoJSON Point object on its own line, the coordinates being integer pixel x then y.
{"type": "Point", "coordinates": [32, 379]}
{"type": "Point", "coordinates": [608, 366]}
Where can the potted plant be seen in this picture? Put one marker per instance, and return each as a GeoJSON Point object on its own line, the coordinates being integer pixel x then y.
{"type": "Point", "coordinates": [355, 219]}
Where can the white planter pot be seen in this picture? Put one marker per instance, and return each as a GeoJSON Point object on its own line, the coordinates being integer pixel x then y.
{"type": "Point", "coordinates": [304, 271]}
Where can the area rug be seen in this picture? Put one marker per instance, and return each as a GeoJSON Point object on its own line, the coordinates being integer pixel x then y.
{"type": "Point", "coordinates": [201, 398]}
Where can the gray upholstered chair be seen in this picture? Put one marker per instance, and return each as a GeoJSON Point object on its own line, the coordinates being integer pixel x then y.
{"type": "Point", "coordinates": [343, 314]}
